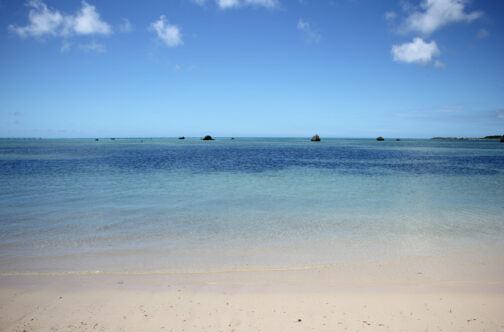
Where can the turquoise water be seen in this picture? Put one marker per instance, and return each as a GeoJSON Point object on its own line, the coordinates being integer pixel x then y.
{"type": "Point", "coordinates": [168, 204]}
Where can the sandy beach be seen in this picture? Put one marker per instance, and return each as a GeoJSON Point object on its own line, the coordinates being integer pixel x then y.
{"type": "Point", "coordinates": [390, 296]}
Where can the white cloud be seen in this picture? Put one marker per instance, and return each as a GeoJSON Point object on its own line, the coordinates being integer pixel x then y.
{"type": "Point", "coordinates": [88, 22]}
{"type": "Point", "coordinates": [125, 26]}
{"type": "Point", "coordinates": [44, 21]}
{"type": "Point", "coordinates": [169, 34]}
{"type": "Point", "coordinates": [227, 4]}
{"type": "Point", "coordinates": [435, 14]}
{"type": "Point", "coordinates": [311, 36]}
{"type": "Point", "coordinates": [93, 47]}
{"type": "Point", "coordinates": [418, 51]}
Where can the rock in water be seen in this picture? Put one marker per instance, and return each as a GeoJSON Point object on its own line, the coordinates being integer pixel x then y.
{"type": "Point", "coordinates": [207, 138]}
{"type": "Point", "coordinates": [379, 138]}
{"type": "Point", "coordinates": [315, 138]}
{"type": "Point", "coordinates": [181, 137]}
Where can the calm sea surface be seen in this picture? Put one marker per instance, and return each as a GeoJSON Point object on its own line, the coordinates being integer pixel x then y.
{"type": "Point", "coordinates": [162, 204]}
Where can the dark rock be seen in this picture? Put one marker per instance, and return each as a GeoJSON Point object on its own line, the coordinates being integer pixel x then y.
{"type": "Point", "coordinates": [207, 138]}
{"type": "Point", "coordinates": [379, 138]}
{"type": "Point", "coordinates": [397, 139]}
{"type": "Point", "coordinates": [232, 138]}
{"type": "Point", "coordinates": [181, 137]}
{"type": "Point", "coordinates": [315, 138]}
{"type": "Point", "coordinates": [97, 139]}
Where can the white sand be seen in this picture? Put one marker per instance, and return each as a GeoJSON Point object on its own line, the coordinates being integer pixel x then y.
{"type": "Point", "coordinates": [332, 298]}
{"type": "Point", "coordinates": [242, 310]}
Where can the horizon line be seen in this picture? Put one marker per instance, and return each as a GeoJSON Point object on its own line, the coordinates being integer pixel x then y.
{"type": "Point", "coordinates": [228, 137]}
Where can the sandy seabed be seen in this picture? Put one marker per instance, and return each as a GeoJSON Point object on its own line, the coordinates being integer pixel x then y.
{"type": "Point", "coordinates": [413, 295]}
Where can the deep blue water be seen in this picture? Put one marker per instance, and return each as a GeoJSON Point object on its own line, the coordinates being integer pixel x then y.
{"type": "Point", "coordinates": [249, 155]}
{"type": "Point", "coordinates": [126, 204]}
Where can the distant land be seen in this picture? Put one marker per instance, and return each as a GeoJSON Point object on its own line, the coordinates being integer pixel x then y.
{"type": "Point", "coordinates": [501, 137]}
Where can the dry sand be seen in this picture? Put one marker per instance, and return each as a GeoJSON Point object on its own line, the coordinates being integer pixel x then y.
{"type": "Point", "coordinates": [372, 297]}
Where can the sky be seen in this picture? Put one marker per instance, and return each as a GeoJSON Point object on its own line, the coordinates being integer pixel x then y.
{"type": "Point", "coordinates": [275, 68]}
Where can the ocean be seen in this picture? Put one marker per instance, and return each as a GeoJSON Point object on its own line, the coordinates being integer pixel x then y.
{"type": "Point", "coordinates": [164, 204]}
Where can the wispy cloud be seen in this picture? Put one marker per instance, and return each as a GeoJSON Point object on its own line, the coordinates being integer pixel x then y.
{"type": "Point", "coordinates": [228, 4]}
{"type": "Point", "coordinates": [483, 33]}
{"type": "Point", "coordinates": [439, 64]}
{"type": "Point", "coordinates": [169, 34]}
{"type": "Point", "coordinates": [44, 21]}
{"type": "Point", "coordinates": [455, 113]}
{"type": "Point", "coordinates": [199, 2]}
{"type": "Point", "coordinates": [93, 47]}
{"type": "Point", "coordinates": [225, 4]}
{"type": "Point", "coordinates": [310, 35]}
{"type": "Point", "coordinates": [390, 16]}
{"type": "Point", "coordinates": [262, 3]}
{"type": "Point", "coordinates": [417, 52]}
{"type": "Point", "coordinates": [434, 14]}
{"type": "Point", "coordinates": [65, 46]}
{"type": "Point", "coordinates": [125, 26]}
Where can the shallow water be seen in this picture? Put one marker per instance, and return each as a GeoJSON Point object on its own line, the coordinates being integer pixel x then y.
{"type": "Point", "coordinates": [156, 204]}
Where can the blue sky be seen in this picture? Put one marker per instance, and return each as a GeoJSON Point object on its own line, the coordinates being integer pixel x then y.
{"type": "Point", "coordinates": [341, 68]}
